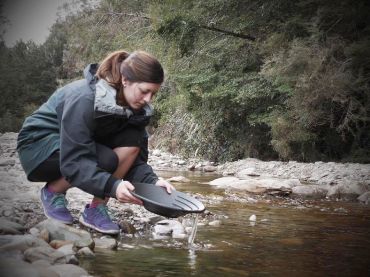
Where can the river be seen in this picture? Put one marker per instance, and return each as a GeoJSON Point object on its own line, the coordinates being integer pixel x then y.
{"type": "Point", "coordinates": [290, 237]}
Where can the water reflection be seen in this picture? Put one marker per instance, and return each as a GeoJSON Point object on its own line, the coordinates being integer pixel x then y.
{"type": "Point", "coordinates": [192, 260]}
{"type": "Point", "coordinates": [288, 238]}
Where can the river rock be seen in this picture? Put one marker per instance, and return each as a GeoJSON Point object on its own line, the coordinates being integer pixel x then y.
{"type": "Point", "coordinates": [247, 172]}
{"type": "Point", "coordinates": [56, 244]}
{"type": "Point", "coordinates": [364, 198]}
{"type": "Point", "coordinates": [10, 227]}
{"type": "Point", "coordinates": [168, 228]}
{"type": "Point", "coordinates": [253, 217]}
{"type": "Point", "coordinates": [44, 253]}
{"type": "Point", "coordinates": [45, 235]}
{"type": "Point", "coordinates": [127, 227]}
{"type": "Point", "coordinates": [67, 250]}
{"type": "Point", "coordinates": [224, 181]}
{"type": "Point", "coordinates": [209, 168]}
{"type": "Point", "coordinates": [85, 252]}
{"type": "Point", "coordinates": [310, 191]}
{"type": "Point", "coordinates": [7, 162]}
{"type": "Point", "coordinates": [20, 242]}
{"type": "Point", "coordinates": [179, 179]}
{"type": "Point", "coordinates": [256, 185]}
{"type": "Point", "coordinates": [347, 190]}
{"type": "Point", "coordinates": [60, 231]}
{"type": "Point", "coordinates": [69, 270]}
{"type": "Point", "coordinates": [18, 268]}
{"type": "Point", "coordinates": [43, 268]}
{"type": "Point", "coordinates": [215, 223]}
{"type": "Point", "coordinates": [105, 243]}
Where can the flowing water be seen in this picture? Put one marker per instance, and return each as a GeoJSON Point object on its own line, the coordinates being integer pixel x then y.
{"type": "Point", "coordinates": [288, 238]}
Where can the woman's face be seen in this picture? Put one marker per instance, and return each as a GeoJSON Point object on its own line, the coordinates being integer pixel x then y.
{"type": "Point", "coordinates": [138, 94]}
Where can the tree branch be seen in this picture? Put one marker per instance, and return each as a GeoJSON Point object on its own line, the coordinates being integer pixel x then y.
{"type": "Point", "coordinates": [238, 35]}
{"type": "Point", "coordinates": [228, 32]}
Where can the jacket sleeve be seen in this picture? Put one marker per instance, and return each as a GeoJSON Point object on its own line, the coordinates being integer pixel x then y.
{"type": "Point", "coordinates": [78, 155]}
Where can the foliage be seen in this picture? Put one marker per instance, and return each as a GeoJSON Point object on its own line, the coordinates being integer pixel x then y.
{"type": "Point", "coordinates": [254, 78]}
{"type": "Point", "coordinates": [27, 77]}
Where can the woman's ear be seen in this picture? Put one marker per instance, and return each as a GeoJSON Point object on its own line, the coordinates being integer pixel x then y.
{"type": "Point", "coordinates": [124, 81]}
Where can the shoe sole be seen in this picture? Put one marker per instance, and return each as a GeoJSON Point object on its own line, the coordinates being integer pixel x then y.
{"type": "Point", "coordinates": [109, 232]}
{"type": "Point", "coordinates": [50, 217]}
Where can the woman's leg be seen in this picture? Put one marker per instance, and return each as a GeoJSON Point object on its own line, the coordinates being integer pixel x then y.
{"type": "Point", "coordinates": [126, 157]}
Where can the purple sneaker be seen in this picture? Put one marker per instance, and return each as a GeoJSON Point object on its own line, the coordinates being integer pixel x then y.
{"type": "Point", "coordinates": [99, 219]}
{"type": "Point", "coordinates": [54, 205]}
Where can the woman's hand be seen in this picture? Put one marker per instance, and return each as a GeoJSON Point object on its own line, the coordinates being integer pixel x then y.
{"type": "Point", "coordinates": [165, 184]}
{"type": "Point", "coordinates": [123, 193]}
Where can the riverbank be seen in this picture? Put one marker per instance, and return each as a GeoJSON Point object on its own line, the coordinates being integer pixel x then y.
{"type": "Point", "coordinates": [23, 225]}
{"type": "Point", "coordinates": [319, 180]}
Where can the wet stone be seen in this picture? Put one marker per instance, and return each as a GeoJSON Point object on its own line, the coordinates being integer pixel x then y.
{"type": "Point", "coordinates": [68, 270]}
{"type": "Point", "coordinates": [10, 227]}
{"type": "Point", "coordinates": [85, 252]}
{"type": "Point", "coordinates": [106, 243]}
{"type": "Point", "coordinates": [20, 242]}
{"type": "Point", "coordinates": [44, 253]}
{"type": "Point", "coordinates": [127, 227]}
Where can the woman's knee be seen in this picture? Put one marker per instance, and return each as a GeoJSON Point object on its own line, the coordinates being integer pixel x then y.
{"type": "Point", "coordinates": [107, 158]}
{"type": "Point", "coordinates": [124, 153]}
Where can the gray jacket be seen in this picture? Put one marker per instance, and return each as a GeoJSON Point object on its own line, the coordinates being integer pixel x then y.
{"type": "Point", "coordinates": [71, 121]}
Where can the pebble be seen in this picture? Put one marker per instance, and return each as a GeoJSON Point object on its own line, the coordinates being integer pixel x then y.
{"type": "Point", "coordinates": [85, 252]}
{"type": "Point", "coordinates": [105, 243]}
{"type": "Point", "coordinates": [253, 217]}
{"type": "Point", "coordinates": [215, 223]}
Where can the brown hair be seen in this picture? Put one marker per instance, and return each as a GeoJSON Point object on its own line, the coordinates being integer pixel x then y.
{"type": "Point", "coordinates": [138, 66]}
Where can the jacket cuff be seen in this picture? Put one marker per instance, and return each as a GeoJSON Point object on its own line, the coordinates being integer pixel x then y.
{"type": "Point", "coordinates": [111, 186]}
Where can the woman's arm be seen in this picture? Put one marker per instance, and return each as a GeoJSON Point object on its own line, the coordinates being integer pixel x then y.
{"type": "Point", "coordinates": [77, 147]}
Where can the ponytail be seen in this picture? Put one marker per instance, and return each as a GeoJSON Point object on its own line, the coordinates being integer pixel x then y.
{"type": "Point", "coordinates": [138, 66]}
{"type": "Point", "coordinates": [109, 69]}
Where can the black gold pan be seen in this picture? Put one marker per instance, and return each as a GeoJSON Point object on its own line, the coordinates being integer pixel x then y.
{"type": "Point", "coordinates": [158, 201]}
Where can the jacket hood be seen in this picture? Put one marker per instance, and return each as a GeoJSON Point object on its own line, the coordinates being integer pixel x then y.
{"type": "Point", "coordinates": [89, 74]}
{"type": "Point", "coordinates": [105, 103]}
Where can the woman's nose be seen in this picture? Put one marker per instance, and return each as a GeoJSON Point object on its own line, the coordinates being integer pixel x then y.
{"type": "Point", "coordinates": [148, 97]}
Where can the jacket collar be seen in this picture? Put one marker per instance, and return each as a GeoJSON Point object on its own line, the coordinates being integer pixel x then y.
{"type": "Point", "coordinates": [89, 74]}
{"type": "Point", "coordinates": [105, 102]}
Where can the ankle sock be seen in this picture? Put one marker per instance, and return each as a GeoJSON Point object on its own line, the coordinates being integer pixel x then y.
{"type": "Point", "coordinates": [94, 203]}
{"type": "Point", "coordinates": [50, 189]}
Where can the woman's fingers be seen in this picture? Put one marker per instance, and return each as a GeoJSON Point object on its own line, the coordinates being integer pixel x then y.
{"type": "Point", "coordinates": [165, 184]}
{"type": "Point", "coordinates": [124, 195]}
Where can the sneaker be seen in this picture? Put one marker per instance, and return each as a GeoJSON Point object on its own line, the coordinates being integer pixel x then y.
{"type": "Point", "coordinates": [99, 219]}
{"type": "Point", "coordinates": [54, 205]}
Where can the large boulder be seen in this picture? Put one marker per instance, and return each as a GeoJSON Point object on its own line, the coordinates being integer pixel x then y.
{"type": "Point", "coordinates": [68, 270]}
{"type": "Point", "coordinates": [347, 190]}
{"type": "Point", "coordinates": [19, 268]}
{"type": "Point", "coordinates": [310, 191]}
{"type": "Point", "coordinates": [20, 242]}
{"type": "Point", "coordinates": [44, 253]}
{"type": "Point", "coordinates": [255, 185]}
{"type": "Point", "coordinates": [10, 227]}
{"type": "Point", "coordinates": [60, 231]}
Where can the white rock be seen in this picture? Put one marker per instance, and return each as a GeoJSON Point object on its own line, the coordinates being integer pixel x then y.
{"type": "Point", "coordinates": [250, 171]}
{"type": "Point", "coordinates": [316, 191]}
{"type": "Point", "coordinates": [215, 223]}
{"type": "Point", "coordinates": [156, 153]}
{"type": "Point", "coordinates": [105, 243]}
{"type": "Point", "coordinates": [168, 227]}
{"type": "Point", "coordinates": [68, 270]}
{"type": "Point", "coordinates": [179, 179]}
{"type": "Point", "coordinates": [364, 198]}
{"type": "Point", "coordinates": [253, 217]}
{"type": "Point", "coordinates": [223, 181]}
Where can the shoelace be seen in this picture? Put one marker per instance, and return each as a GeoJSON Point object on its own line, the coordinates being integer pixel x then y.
{"type": "Point", "coordinates": [103, 210]}
{"type": "Point", "coordinates": [59, 201]}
